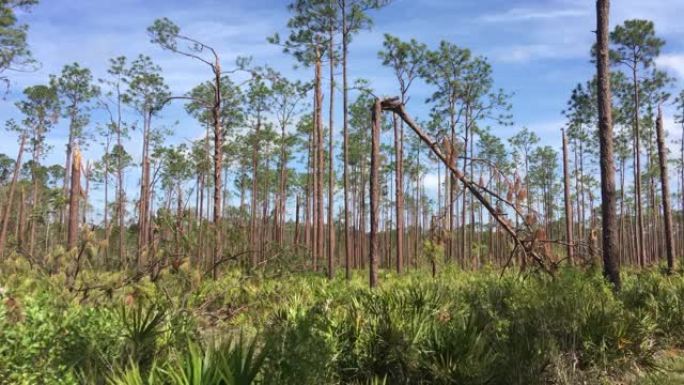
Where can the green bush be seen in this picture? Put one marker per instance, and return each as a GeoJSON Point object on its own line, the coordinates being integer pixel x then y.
{"type": "Point", "coordinates": [456, 328]}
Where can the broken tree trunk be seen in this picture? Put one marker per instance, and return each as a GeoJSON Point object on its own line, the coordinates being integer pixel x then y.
{"type": "Point", "coordinates": [75, 191]}
{"type": "Point", "coordinates": [526, 246]}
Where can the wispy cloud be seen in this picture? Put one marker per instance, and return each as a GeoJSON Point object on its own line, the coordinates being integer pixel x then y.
{"type": "Point", "coordinates": [523, 53]}
{"type": "Point", "coordinates": [530, 14]}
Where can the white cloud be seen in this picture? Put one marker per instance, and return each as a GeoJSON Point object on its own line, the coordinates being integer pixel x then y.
{"type": "Point", "coordinates": [673, 62]}
{"type": "Point", "coordinates": [431, 182]}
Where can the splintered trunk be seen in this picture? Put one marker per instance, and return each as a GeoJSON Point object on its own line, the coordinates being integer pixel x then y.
{"type": "Point", "coordinates": [67, 169]}
{"type": "Point", "coordinates": [10, 196]}
{"type": "Point", "coordinates": [75, 191]}
{"type": "Point", "coordinates": [374, 185]}
{"type": "Point", "coordinates": [568, 206]}
{"type": "Point", "coordinates": [608, 195]}
{"type": "Point", "coordinates": [665, 188]}
{"type": "Point", "coordinates": [399, 192]}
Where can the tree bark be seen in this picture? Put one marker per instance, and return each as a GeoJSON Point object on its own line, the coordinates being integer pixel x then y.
{"type": "Point", "coordinates": [218, 165]}
{"type": "Point", "coordinates": [608, 195]}
{"type": "Point", "coordinates": [144, 201]}
{"type": "Point", "coordinates": [374, 186]}
{"type": "Point", "coordinates": [331, 159]}
{"type": "Point", "coordinates": [345, 128]}
{"type": "Point", "coordinates": [399, 193]}
{"type": "Point", "coordinates": [255, 186]}
{"type": "Point", "coordinates": [665, 189]}
{"type": "Point", "coordinates": [637, 172]}
{"type": "Point", "coordinates": [319, 240]}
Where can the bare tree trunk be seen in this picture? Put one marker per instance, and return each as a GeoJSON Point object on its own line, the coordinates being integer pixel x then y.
{"type": "Point", "coordinates": [255, 186]}
{"type": "Point", "coordinates": [308, 192]}
{"type": "Point", "coordinates": [416, 213]}
{"type": "Point", "coordinates": [263, 231]}
{"type": "Point", "coordinates": [218, 166]}
{"type": "Point", "coordinates": [568, 205]}
{"type": "Point", "coordinates": [120, 208]}
{"type": "Point", "coordinates": [34, 198]}
{"type": "Point", "coordinates": [282, 195]}
{"type": "Point", "coordinates": [637, 170]}
{"type": "Point", "coordinates": [331, 161]}
{"type": "Point", "coordinates": [464, 246]}
{"type": "Point", "coordinates": [21, 227]}
{"type": "Point", "coordinates": [609, 219]}
{"type": "Point", "coordinates": [665, 188]}
{"type": "Point", "coordinates": [319, 240]}
{"type": "Point", "coordinates": [75, 191]}
{"type": "Point", "coordinates": [67, 168]}
{"type": "Point", "coordinates": [374, 186]}
{"type": "Point", "coordinates": [681, 187]}
{"type": "Point", "coordinates": [623, 250]}
{"type": "Point", "coordinates": [10, 197]}
{"type": "Point", "coordinates": [345, 128]}
{"type": "Point", "coordinates": [143, 203]}
{"type": "Point", "coordinates": [295, 241]}
{"type": "Point", "coordinates": [399, 192]}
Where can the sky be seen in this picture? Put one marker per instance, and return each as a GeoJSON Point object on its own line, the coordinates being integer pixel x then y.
{"type": "Point", "coordinates": [539, 49]}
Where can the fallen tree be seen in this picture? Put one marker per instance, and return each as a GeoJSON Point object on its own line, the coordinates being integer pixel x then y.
{"type": "Point", "coordinates": [532, 244]}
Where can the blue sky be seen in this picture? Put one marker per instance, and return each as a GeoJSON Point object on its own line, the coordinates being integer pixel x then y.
{"type": "Point", "coordinates": [538, 49]}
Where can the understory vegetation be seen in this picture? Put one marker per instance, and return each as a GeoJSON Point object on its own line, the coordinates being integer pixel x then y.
{"type": "Point", "coordinates": [271, 327]}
